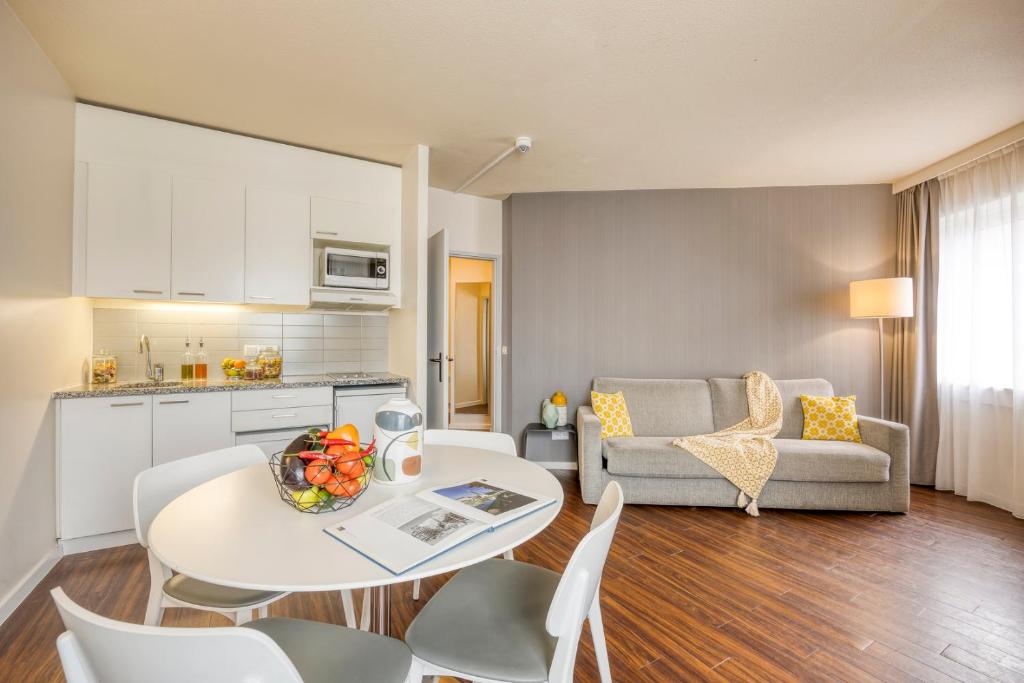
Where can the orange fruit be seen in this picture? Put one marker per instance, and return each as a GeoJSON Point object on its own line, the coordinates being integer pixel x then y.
{"type": "Point", "coordinates": [240, 364]}
{"type": "Point", "coordinates": [350, 468]}
{"type": "Point", "coordinates": [318, 471]}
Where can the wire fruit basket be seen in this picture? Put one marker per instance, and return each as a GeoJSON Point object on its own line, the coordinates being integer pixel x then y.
{"type": "Point", "coordinates": [315, 474]}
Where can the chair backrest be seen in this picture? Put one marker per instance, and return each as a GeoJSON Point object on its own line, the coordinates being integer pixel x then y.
{"type": "Point", "coordinates": [158, 486]}
{"type": "Point", "coordinates": [580, 582]}
{"type": "Point", "coordinates": [492, 441]}
{"type": "Point", "coordinates": [95, 649]}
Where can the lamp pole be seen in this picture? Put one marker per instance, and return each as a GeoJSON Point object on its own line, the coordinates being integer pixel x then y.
{"type": "Point", "coordinates": [881, 371]}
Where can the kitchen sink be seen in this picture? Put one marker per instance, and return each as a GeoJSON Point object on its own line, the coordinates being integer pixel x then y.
{"type": "Point", "coordinates": [146, 385]}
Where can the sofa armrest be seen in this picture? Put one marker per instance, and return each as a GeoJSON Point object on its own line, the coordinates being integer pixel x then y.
{"type": "Point", "coordinates": [589, 455]}
{"type": "Point", "coordinates": [892, 438]}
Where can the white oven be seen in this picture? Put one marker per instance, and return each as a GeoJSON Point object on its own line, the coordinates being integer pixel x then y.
{"type": "Point", "coordinates": [354, 268]}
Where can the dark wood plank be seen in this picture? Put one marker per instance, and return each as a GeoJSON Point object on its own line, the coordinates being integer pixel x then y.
{"type": "Point", "coordinates": [701, 594]}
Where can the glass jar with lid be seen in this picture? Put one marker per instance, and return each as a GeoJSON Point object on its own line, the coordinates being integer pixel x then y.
{"type": "Point", "coordinates": [104, 368]}
{"type": "Point", "coordinates": [270, 360]}
{"type": "Point", "coordinates": [252, 367]}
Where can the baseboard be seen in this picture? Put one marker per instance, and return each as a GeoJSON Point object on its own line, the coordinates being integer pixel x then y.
{"type": "Point", "coordinates": [73, 546]}
{"type": "Point", "coordinates": [556, 465]}
{"type": "Point", "coordinates": [470, 404]}
{"type": "Point", "coordinates": [16, 595]}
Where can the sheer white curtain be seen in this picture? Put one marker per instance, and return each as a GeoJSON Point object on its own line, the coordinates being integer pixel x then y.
{"type": "Point", "coordinates": [980, 331]}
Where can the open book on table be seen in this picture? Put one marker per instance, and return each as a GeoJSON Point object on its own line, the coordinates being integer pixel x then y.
{"type": "Point", "coordinates": [404, 532]}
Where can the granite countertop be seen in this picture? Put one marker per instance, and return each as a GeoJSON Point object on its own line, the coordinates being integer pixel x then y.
{"type": "Point", "coordinates": [172, 387]}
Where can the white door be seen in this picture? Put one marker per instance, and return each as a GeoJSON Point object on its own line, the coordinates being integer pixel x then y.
{"type": "Point", "coordinates": [276, 247]}
{"type": "Point", "coordinates": [190, 424]}
{"type": "Point", "coordinates": [438, 368]}
{"type": "Point", "coordinates": [207, 240]}
{"type": "Point", "coordinates": [104, 443]}
{"type": "Point", "coordinates": [128, 233]}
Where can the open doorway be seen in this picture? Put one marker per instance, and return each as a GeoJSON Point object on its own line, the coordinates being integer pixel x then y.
{"type": "Point", "coordinates": [471, 342]}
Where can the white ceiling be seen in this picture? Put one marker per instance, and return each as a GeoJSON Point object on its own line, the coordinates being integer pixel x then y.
{"type": "Point", "coordinates": [617, 94]}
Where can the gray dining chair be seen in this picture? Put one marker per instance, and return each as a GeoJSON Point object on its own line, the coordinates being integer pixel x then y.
{"type": "Point", "coordinates": [95, 649]}
{"type": "Point", "coordinates": [510, 621]}
{"type": "Point", "coordinates": [154, 489]}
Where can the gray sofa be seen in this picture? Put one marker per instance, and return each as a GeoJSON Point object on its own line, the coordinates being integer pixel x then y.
{"type": "Point", "coordinates": [809, 475]}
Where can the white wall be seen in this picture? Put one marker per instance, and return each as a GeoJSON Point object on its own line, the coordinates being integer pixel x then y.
{"type": "Point", "coordinates": [473, 223]}
{"type": "Point", "coordinates": [408, 325]}
{"type": "Point", "coordinates": [44, 334]}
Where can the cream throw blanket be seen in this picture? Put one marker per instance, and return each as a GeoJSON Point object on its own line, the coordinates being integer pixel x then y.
{"type": "Point", "coordinates": [744, 453]}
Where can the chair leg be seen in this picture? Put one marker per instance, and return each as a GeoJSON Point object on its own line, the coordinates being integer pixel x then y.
{"type": "Point", "coordinates": [600, 646]}
{"type": "Point", "coordinates": [416, 589]}
{"type": "Point", "coordinates": [154, 607]}
{"type": "Point", "coordinates": [350, 609]}
{"type": "Point", "coordinates": [264, 612]}
{"type": "Point", "coordinates": [508, 555]}
{"type": "Point", "coordinates": [243, 616]}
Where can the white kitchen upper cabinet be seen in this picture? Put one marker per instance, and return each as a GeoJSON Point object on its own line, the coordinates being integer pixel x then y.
{"type": "Point", "coordinates": [189, 424]}
{"type": "Point", "coordinates": [277, 247]}
{"type": "Point", "coordinates": [345, 221]}
{"type": "Point", "coordinates": [103, 444]}
{"type": "Point", "coordinates": [207, 240]}
{"type": "Point", "coordinates": [128, 232]}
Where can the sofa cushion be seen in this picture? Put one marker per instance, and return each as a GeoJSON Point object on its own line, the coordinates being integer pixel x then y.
{"type": "Point", "coordinates": [729, 402]}
{"type": "Point", "coordinates": [663, 407]}
{"type": "Point", "coordinates": [819, 461]}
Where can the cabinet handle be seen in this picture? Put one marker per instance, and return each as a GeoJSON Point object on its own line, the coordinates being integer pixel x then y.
{"type": "Point", "coordinates": [191, 293]}
{"type": "Point", "coordinates": [285, 396]}
{"type": "Point", "coordinates": [168, 403]}
{"type": "Point", "coordinates": [147, 291]}
{"type": "Point", "coordinates": [325, 232]}
{"type": "Point", "coordinates": [126, 405]}
{"type": "Point", "coordinates": [254, 296]}
{"type": "Point", "coordinates": [356, 298]}
{"type": "Point", "coordinates": [288, 415]}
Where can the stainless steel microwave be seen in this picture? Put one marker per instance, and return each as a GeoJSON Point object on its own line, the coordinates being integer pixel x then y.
{"type": "Point", "coordinates": [354, 268]}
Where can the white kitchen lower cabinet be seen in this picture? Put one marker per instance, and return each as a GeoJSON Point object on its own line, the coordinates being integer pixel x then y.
{"type": "Point", "coordinates": [190, 424]}
{"type": "Point", "coordinates": [103, 444]}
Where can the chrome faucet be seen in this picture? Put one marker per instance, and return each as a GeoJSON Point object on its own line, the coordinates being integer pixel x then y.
{"type": "Point", "coordinates": [144, 348]}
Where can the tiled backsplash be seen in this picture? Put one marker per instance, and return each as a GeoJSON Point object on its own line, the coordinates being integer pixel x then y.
{"type": "Point", "coordinates": [311, 343]}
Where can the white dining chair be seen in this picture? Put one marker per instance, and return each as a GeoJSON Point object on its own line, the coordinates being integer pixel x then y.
{"type": "Point", "coordinates": [491, 441]}
{"type": "Point", "coordinates": [95, 649]}
{"type": "Point", "coordinates": [154, 489]}
{"type": "Point", "coordinates": [511, 621]}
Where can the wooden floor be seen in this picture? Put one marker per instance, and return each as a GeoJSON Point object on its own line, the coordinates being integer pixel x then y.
{"type": "Point", "coordinates": [705, 594]}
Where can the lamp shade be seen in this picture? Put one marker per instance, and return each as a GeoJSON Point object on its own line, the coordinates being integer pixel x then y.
{"type": "Point", "coordinates": [888, 297]}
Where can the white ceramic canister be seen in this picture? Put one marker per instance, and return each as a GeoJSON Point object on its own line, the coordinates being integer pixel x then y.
{"type": "Point", "coordinates": [398, 430]}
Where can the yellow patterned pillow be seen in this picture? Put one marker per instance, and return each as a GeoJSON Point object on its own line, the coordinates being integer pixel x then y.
{"type": "Point", "coordinates": [611, 409]}
{"type": "Point", "coordinates": [830, 418]}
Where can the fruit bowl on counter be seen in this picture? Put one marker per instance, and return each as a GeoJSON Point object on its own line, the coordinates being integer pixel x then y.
{"type": "Point", "coordinates": [323, 471]}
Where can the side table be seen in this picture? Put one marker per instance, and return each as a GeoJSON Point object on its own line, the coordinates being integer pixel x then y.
{"type": "Point", "coordinates": [554, 449]}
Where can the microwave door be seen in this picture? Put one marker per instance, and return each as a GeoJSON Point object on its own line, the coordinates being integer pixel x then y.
{"type": "Point", "coordinates": [350, 270]}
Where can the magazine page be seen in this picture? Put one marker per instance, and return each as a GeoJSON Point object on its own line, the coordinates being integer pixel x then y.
{"type": "Point", "coordinates": [404, 532]}
{"type": "Point", "coordinates": [485, 500]}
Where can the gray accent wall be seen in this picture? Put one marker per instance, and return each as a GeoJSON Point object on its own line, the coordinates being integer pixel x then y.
{"type": "Point", "coordinates": [690, 283]}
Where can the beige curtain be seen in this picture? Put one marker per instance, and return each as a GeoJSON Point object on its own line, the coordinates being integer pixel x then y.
{"type": "Point", "coordinates": [913, 394]}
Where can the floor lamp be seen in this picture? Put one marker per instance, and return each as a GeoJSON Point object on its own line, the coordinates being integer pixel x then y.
{"type": "Point", "coordinates": [888, 297]}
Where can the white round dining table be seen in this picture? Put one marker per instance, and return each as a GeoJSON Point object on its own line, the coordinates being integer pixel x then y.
{"type": "Point", "coordinates": [236, 531]}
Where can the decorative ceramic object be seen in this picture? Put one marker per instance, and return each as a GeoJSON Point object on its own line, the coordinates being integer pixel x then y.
{"type": "Point", "coordinates": [549, 414]}
{"type": "Point", "coordinates": [398, 432]}
{"type": "Point", "coordinates": [562, 406]}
